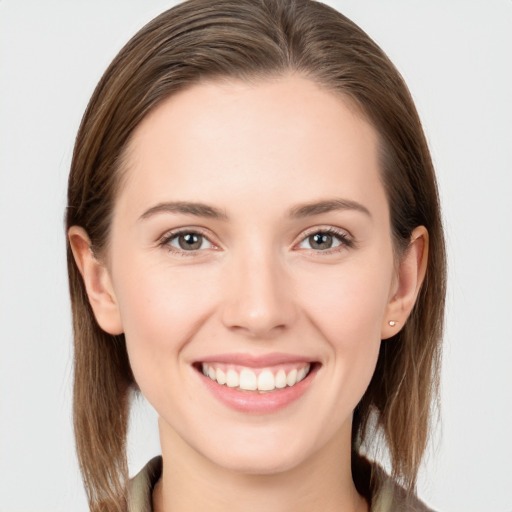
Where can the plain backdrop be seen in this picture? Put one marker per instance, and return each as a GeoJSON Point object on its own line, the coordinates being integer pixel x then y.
{"type": "Point", "coordinates": [456, 57]}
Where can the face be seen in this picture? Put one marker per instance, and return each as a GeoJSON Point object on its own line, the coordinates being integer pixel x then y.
{"type": "Point", "coordinates": [251, 242]}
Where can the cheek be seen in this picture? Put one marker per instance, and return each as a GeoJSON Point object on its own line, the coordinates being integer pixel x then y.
{"type": "Point", "coordinates": [156, 296]}
{"type": "Point", "coordinates": [348, 308]}
{"type": "Point", "coordinates": [161, 310]}
{"type": "Point", "coordinates": [349, 304]}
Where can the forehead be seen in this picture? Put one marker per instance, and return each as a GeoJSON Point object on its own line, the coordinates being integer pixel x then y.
{"type": "Point", "coordinates": [226, 138]}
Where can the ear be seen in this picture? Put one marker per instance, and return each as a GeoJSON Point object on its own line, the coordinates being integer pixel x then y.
{"type": "Point", "coordinates": [97, 282]}
{"type": "Point", "coordinates": [410, 276]}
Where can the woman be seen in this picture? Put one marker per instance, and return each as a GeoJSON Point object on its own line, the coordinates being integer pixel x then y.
{"type": "Point", "coordinates": [255, 245]}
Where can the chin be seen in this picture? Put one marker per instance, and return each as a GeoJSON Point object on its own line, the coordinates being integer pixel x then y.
{"type": "Point", "coordinates": [259, 464]}
{"type": "Point", "coordinates": [261, 455]}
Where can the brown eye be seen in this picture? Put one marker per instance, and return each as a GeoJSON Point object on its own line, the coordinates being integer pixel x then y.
{"type": "Point", "coordinates": [189, 241]}
{"type": "Point", "coordinates": [325, 240]}
{"type": "Point", "coordinates": [320, 241]}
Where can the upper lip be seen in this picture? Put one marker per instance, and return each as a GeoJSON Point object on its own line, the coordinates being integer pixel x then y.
{"type": "Point", "coordinates": [255, 361]}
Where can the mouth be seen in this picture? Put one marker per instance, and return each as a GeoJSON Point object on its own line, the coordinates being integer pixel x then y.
{"type": "Point", "coordinates": [257, 385]}
{"type": "Point", "coordinates": [262, 380]}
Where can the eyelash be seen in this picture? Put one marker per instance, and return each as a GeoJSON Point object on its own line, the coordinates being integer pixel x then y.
{"type": "Point", "coordinates": [170, 236]}
{"type": "Point", "coordinates": [345, 240]}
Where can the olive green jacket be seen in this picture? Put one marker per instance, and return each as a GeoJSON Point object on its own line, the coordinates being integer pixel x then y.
{"type": "Point", "coordinates": [386, 496]}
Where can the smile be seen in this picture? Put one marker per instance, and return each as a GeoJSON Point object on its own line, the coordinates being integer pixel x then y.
{"type": "Point", "coordinates": [257, 385]}
{"type": "Point", "coordinates": [252, 379]}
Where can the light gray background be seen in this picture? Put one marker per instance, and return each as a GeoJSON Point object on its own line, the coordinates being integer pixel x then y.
{"type": "Point", "coordinates": [457, 59]}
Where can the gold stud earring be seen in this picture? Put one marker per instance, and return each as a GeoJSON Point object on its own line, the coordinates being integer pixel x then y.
{"type": "Point", "coordinates": [392, 323]}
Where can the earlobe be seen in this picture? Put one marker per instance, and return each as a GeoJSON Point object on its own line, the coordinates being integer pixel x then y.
{"type": "Point", "coordinates": [410, 276]}
{"type": "Point", "coordinates": [97, 282]}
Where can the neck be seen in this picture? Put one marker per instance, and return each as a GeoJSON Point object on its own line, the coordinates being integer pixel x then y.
{"type": "Point", "coordinates": [191, 483]}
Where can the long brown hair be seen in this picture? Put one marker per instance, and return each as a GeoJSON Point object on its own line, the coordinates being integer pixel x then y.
{"type": "Point", "coordinates": [245, 39]}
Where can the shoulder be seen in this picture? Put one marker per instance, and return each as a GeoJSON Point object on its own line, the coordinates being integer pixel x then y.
{"type": "Point", "coordinates": [391, 497]}
{"type": "Point", "coordinates": [380, 490]}
{"type": "Point", "coordinates": [140, 487]}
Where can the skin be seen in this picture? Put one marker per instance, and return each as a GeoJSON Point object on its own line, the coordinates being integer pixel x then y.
{"type": "Point", "coordinates": [255, 152]}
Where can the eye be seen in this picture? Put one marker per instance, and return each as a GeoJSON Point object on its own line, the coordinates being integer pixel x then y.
{"type": "Point", "coordinates": [188, 241]}
{"type": "Point", "coordinates": [325, 239]}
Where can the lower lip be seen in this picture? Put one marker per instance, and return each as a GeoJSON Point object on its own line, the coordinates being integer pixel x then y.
{"type": "Point", "coordinates": [255, 402]}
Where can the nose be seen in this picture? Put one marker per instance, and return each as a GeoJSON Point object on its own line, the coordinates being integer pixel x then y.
{"type": "Point", "coordinates": [258, 295]}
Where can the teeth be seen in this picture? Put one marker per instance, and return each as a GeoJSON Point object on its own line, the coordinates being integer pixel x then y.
{"type": "Point", "coordinates": [221, 377]}
{"type": "Point", "coordinates": [266, 381]}
{"type": "Point", "coordinates": [248, 380]}
{"type": "Point", "coordinates": [232, 379]}
{"type": "Point", "coordinates": [280, 379]}
{"type": "Point", "coordinates": [291, 378]}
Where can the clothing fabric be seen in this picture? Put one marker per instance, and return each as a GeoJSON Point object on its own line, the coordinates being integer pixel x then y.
{"type": "Point", "coordinates": [382, 493]}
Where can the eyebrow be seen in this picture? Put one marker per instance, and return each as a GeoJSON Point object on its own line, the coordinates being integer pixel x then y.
{"type": "Point", "coordinates": [187, 208]}
{"type": "Point", "coordinates": [317, 208]}
{"type": "Point", "coordinates": [297, 212]}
